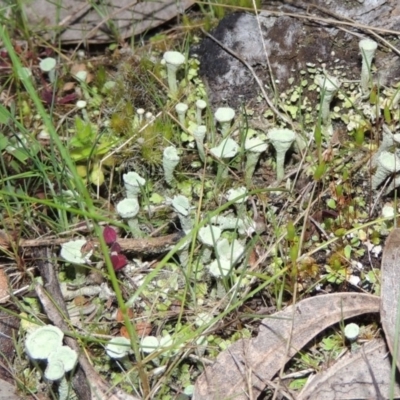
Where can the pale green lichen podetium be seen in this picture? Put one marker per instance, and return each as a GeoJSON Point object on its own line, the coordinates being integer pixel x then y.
{"type": "Point", "coordinates": [368, 49]}
{"type": "Point", "coordinates": [170, 161]}
{"type": "Point", "coordinates": [282, 140]}
{"type": "Point", "coordinates": [173, 60]}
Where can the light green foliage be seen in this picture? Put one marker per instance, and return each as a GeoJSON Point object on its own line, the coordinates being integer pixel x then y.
{"type": "Point", "coordinates": [336, 274]}
{"type": "Point", "coordinates": [332, 344]}
{"type": "Point", "coordinates": [331, 203]}
{"type": "Point", "coordinates": [87, 143]}
{"type": "Point", "coordinates": [298, 384]}
{"type": "Point", "coordinates": [347, 251]}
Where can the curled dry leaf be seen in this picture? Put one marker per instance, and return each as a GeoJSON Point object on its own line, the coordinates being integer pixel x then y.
{"type": "Point", "coordinates": [247, 364]}
{"type": "Point", "coordinates": [390, 291]}
{"type": "Point", "coordinates": [364, 374]}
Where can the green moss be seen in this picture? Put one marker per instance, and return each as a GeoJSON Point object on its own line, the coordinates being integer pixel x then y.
{"type": "Point", "coordinates": [121, 121]}
{"type": "Point", "coordinates": [154, 139]}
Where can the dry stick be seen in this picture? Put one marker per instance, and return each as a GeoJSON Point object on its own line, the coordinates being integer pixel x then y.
{"type": "Point", "coordinates": [257, 79]}
{"type": "Point", "coordinates": [93, 386]}
{"type": "Point", "coordinates": [147, 246]}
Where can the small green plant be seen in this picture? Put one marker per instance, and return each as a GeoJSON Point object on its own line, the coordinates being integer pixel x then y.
{"type": "Point", "coordinates": [337, 268]}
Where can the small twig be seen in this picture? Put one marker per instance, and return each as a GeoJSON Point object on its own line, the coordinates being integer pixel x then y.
{"type": "Point", "coordinates": [298, 374]}
{"type": "Point", "coordinates": [147, 246]}
{"type": "Point", "coordinates": [279, 390]}
{"type": "Point", "coordinates": [319, 227]}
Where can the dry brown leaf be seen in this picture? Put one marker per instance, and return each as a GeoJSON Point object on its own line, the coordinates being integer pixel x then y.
{"type": "Point", "coordinates": [3, 287]}
{"type": "Point", "coordinates": [124, 332]}
{"type": "Point", "coordinates": [78, 67]}
{"type": "Point", "coordinates": [246, 364]}
{"type": "Point", "coordinates": [80, 301]}
{"type": "Point", "coordinates": [68, 86]}
{"type": "Point", "coordinates": [364, 374]}
{"type": "Point", "coordinates": [120, 316]}
{"type": "Point", "coordinates": [390, 290]}
{"type": "Point", "coordinates": [142, 329]}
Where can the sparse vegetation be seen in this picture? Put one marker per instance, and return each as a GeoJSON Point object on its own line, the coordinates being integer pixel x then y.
{"type": "Point", "coordinates": [154, 295]}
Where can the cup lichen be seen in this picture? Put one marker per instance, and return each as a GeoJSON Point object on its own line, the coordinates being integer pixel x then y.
{"type": "Point", "coordinates": [282, 140]}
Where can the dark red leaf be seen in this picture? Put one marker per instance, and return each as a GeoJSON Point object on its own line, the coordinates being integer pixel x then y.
{"type": "Point", "coordinates": [109, 235]}
{"type": "Point", "coordinates": [118, 261]}
{"type": "Point", "coordinates": [68, 99]}
{"type": "Point", "coordinates": [4, 59]}
{"type": "Point", "coordinates": [48, 96]}
{"type": "Point", "coordinates": [115, 248]}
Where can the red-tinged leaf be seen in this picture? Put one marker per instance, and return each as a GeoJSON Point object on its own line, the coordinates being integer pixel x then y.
{"type": "Point", "coordinates": [109, 235]}
{"type": "Point", "coordinates": [48, 51]}
{"type": "Point", "coordinates": [68, 99]}
{"type": "Point", "coordinates": [48, 96]}
{"type": "Point", "coordinates": [115, 248]}
{"type": "Point", "coordinates": [4, 59]}
{"type": "Point", "coordinates": [118, 261]}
